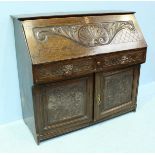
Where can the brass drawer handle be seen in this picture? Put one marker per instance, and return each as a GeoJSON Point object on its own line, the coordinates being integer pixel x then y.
{"type": "Point", "coordinates": [98, 99]}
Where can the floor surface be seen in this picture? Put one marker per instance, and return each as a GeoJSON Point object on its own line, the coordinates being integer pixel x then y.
{"type": "Point", "coordinates": [132, 132]}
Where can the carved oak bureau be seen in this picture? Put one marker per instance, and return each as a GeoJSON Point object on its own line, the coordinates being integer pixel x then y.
{"type": "Point", "coordinates": [77, 69]}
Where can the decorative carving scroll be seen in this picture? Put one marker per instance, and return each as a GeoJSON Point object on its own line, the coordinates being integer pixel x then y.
{"type": "Point", "coordinates": [89, 35]}
{"type": "Point", "coordinates": [124, 59]}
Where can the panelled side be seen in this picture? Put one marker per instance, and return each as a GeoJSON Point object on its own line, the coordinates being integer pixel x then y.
{"type": "Point", "coordinates": [25, 77]}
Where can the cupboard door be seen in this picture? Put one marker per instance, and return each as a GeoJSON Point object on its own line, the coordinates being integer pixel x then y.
{"type": "Point", "coordinates": [64, 106]}
{"type": "Point", "coordinates": [115, 92]}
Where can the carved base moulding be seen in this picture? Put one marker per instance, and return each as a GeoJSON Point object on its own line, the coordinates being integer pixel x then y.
{"type": "Point", "coordinates": [76, 70]}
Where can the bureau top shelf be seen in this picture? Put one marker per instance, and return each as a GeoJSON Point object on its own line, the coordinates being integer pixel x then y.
{"type": "Point", "coordinates": [62, 36]}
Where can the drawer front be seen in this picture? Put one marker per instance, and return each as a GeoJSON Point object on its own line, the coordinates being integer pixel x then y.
{"type": "Point", "coordinates": [83, 66]}
{"type": "Point", "coordinates": [63, 70]}
{"type": "Point", "coordinates": [120, 59]}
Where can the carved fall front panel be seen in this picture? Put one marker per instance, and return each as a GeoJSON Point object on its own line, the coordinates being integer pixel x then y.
{"type": "Point", "coordinates": [92, 34]}
{"type": "Point", "coordinates": [66, 101]}
{"type": "Point", "coordinates": [117, 89]}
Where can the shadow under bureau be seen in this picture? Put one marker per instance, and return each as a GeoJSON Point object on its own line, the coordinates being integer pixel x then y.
{"type": "Point", "coordinates": [77, 69]}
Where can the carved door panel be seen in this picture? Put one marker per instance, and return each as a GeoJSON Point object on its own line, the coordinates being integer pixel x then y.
{"type": "Point", "coordinates": [64, 106]}
{"type": "Point", "coordinates": [115, 92]}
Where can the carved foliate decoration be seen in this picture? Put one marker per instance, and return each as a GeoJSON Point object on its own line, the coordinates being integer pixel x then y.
{"type": "Point", "coordinates": [67, 69]}
{"type": "Point", "coordinates": [59, 70]}
{"type": "Point", "coordinates": [82, 67]}
{"type": "Point", "coordinates": [124, 59]}
{"type": "Point", "coordinates": [89, 35]}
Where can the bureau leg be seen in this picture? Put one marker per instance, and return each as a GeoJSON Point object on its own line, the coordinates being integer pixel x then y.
{"type": "Point", "coordinates": [38, 142]}
{"type": "Point", "coordinates": [37, 139]}
{"type": "Point", "coordinates": [134, 108]}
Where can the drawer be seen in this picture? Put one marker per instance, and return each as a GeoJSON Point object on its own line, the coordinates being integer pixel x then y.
{"type": "Point", "coordinates": [63, 70]}
{"type": "Point", "coordinates": [120, 59]}
{"type": "Point", "coordinates": [78, 67]}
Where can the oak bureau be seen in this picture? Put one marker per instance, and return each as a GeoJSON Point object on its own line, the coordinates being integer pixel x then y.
{"type": "Point", "coordinates": [77, 69]}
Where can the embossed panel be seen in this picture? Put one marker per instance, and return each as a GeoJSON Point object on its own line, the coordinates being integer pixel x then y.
{"type": "Point", "coordinates": [64, 102]}
{"type": "Point", "coordinates": [117, 89]}
{"type": "Point", "coordinates": [115, 92]}
{"type": "Point", "coordinates": [65, 105]}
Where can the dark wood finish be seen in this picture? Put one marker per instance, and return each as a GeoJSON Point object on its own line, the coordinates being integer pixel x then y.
{"type": "Point", "coordinates": [76, 70]}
